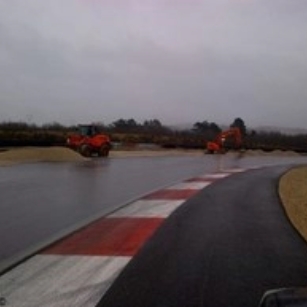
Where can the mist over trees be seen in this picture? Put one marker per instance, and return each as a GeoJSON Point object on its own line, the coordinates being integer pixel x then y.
{"type": "Point", "coordinates": [129, 132]}
{"type": "Point", "coordinates": [239, 123]}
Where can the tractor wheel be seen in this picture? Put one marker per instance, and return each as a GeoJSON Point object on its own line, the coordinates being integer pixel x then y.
{"type": "Point", "coordinates": [85, 150]}
{"type": "Point", "coordinates": [104, 151]}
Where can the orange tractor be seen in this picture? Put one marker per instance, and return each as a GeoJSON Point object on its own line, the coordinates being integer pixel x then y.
{"type": "Point", "coordinates": [229, 139]}
{"type": "Point", "coordinates": [89, 141]}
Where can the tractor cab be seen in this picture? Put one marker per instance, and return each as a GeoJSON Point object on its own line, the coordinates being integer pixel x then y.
{"type": "Point", "coordinates": [87, 130]}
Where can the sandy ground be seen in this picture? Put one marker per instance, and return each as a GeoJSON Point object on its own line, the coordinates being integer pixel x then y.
{"type": "Point", "coordinates": [34, 154]}
{"type": "Point", "coordinates": [62, 154]}
{"type": "Point", "coordinates": [292, 187]}
{"type": "Point", "coordinates": [154, 153]}
{"type": "Point", "coordinates": [293, 193]}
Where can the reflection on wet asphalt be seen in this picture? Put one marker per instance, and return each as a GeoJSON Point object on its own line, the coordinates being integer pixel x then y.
{"type": "Point", "coordinates": [39, 201]}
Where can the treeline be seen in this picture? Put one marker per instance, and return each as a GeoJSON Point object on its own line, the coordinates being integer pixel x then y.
{"type": "Point", "coordinates": [268, 141]}
{"type": "Point", "coordinates": [130, 132]}
{"type": "Point", "coordinates": [24, 134]}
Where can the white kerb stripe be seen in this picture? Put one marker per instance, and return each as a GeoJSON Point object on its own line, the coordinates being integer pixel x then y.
{"type": "Point", "coordinates": [60, 281]}
{"type": "Point", "coordinates": [215, 176]}
{"type": "Point", "coordinates": [197, 185]}
{"type": "Point", "coordinates": [149, 208]}
{"type": "Point", "coordinates": [236, 170]}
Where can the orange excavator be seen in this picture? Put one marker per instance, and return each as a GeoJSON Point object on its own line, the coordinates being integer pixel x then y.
{"type": "Point", "coordinates": [229, 139]}
{"type": "Point", "coordinates": [89, 141]}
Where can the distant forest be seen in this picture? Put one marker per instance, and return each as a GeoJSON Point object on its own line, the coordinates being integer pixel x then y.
{"type": "Point", "coordinates": [129, 133]}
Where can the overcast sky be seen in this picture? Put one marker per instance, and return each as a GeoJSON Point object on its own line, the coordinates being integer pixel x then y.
{"type": "Point", "coordinates": [181, 61]}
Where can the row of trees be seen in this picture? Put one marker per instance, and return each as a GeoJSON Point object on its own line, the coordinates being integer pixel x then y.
{"type": "Point", "coordinates": [129, 131]}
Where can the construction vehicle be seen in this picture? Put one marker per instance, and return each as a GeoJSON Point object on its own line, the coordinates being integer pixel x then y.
{"type": "Point", "coordinates": [229, 139]}
{"type": "Point", "coordinates": [89, 141]}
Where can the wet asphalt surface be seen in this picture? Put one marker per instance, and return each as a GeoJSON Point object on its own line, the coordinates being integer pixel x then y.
{"type": "Point", "coordinates": [224, 247]}
{"type": "Point", "coordinates": [42, 202]}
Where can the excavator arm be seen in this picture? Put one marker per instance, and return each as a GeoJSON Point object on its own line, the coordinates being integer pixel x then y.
{"type": "Point", "coordinates": [218, 145]}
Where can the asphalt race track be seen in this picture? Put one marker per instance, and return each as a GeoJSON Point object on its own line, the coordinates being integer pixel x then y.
{"type": "Point", "coordinates": [225, 246]}
{"type": "Point", "coordinates": [201, 244]}
{"type": "Point", "coordinates": [44, 201]}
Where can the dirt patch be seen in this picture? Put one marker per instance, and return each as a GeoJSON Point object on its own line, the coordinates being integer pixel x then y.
{"type": "Point", "coordinates": [293, 193]}
{"type": "Point", "coordinates": [155, 153]}
{"type": "Point", "coordinates": [278, 153]}
{"type": "Point", "coordinates": [62, 154]}
{"type": "Point", "coordinates": [29, 155]}
{"type": "Point", "coordinates": [181, 152]}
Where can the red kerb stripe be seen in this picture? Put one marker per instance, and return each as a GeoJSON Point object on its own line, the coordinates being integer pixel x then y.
{"type": "Point", "coordinates": [108, 237]}
{"type": "Point", "coordinates": [172, 194]}
{"type": "Point", "coordinates": [198, 179]}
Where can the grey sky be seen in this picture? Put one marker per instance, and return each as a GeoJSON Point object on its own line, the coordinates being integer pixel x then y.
{"type": "Point", "coordinates": [179, 61]}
